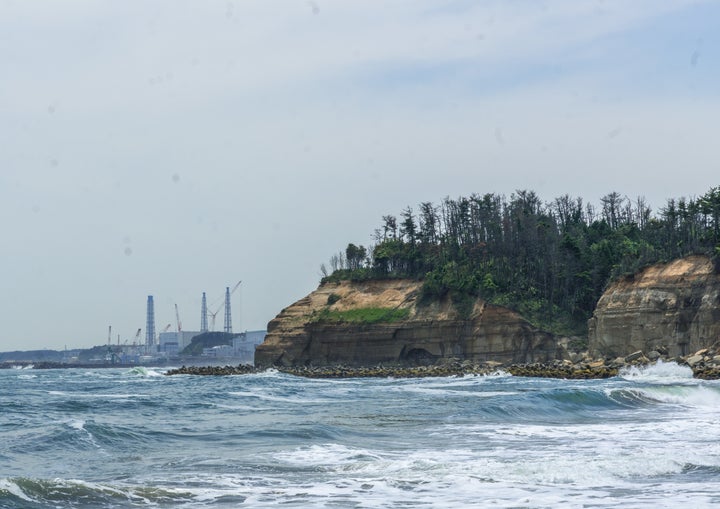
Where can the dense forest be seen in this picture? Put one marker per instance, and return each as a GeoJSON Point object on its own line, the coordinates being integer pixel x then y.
{"type": "Point", "coordinates": [548, 260]}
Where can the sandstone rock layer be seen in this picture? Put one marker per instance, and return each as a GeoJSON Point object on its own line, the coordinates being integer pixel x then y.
{"type": "Point", "coordinates": [674, 306]}
{"type": "Point", "coordinates": [432, 332]}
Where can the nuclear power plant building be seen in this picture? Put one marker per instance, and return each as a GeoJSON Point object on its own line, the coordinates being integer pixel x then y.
{"type": "Point", "coordinates": [172, 343]}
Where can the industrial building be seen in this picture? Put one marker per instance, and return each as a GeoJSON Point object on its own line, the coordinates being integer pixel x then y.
{"type": "Point", "coordinates": [245, 344]}
{"type": "Point", "coordinates": [242, 348]}
{"type": "Point", "coordinates": [170, 343]}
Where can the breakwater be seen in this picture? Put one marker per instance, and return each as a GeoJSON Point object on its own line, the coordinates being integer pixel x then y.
{"type": "Point", "coordinates": [592, 369]}
{"type": "Point", "coordinates": [240, 369]}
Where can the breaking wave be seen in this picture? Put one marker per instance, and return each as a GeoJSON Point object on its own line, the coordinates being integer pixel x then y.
{"type": "Point", "coordinates": [23, 492]}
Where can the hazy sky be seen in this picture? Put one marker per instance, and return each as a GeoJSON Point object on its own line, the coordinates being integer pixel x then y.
{"type": "Point", "coordinates": [172, 147]}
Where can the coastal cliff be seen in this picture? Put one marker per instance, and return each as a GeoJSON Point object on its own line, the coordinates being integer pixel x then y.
{"type": "Point", "coordinates": [383, 321]}
{"type": "Point", "coordinates": [672, 308]}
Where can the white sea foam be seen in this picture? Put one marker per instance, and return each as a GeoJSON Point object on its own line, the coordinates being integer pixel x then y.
{"type": "Point", "coordinates": [660, 372]}
{"type": "Point", "coordinates": [80, 395]}
{"type": "Point", "coordinates": [451, 490]}
{"type": "Point", "coordinates": [448, 392]}
{"type": "Point", "coordinates": [14, 489]}
{"type": "Point", "coordinates": [325, 455]}
{"type": "Point", "coordinates": [461, 386]}
{"type": "Point", "coordinates": [271, 373]}
{"type": "Point", "coordinates": [86, 435]}
{"type": "Point", "coordinates": [498, 374]}
{"type": "Point", "coordinates": [607, 463]}
{"type": "Point", "coordinates": [457, 477]}
{"type": "Point", "coordinates": [144, 372]}
{"type": "Point", "coordinates": [693, 396]}
{"type": "Point", "coordinates": [349, 476]}
{"type": "Point", "coordinates": [245, 408]}
{"type": "Point", "coordinates": [277, 399]}
{"type": "Point", "coordinates": [76, 424]}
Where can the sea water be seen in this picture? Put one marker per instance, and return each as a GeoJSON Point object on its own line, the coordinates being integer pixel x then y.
{"type": "Point", "coordinates": [105, 438]}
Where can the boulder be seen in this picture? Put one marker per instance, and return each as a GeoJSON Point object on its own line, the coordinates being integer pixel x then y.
{"type": "Point", "coordinates": [654, 355]}
{"type": "Point", "coordinates": [694, 360]}
{"type": "Point", "coordinates": [492, 364]}
{"type": "Point", "coordinates": [634, 356]}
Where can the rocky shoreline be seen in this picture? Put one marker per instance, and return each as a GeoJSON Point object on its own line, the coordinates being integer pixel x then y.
{"type": "Point", "coordinates": [705, 365]}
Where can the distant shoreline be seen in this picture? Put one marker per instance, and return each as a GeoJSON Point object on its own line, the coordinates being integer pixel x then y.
{"type": "Point", "coordinates": [92, 365]}
{"type": "Point", "coordinates": [65, 365]}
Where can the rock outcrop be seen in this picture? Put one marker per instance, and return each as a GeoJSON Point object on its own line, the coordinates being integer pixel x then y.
{"type": "Point", "coordinates": [672, 308]}
{"type": "Point", "coordinates": [429, 333]}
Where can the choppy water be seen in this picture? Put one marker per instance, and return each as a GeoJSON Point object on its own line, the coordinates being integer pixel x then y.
{"type": "Point", "coordinates": [134, 438]}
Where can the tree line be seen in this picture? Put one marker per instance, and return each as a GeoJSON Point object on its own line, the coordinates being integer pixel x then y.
{"type": "Point", "coordinates": [549, 260]}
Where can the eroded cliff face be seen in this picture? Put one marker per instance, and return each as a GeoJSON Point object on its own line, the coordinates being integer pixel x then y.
{"type": "Point", "coordinates": [430, 333]}
{"type": "Point", "coordinates": [675, 306]}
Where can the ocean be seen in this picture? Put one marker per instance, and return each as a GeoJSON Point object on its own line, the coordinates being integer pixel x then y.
{"type": "Point", "coordinates": [125, 438]}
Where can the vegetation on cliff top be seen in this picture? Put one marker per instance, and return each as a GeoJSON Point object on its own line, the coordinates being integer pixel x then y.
{"type": "Point", "coordinates": [367, 315]}
{"type": "Point", "coordinates": [207, 340]}
{"type": "Point", "coordinates": [549, 261]}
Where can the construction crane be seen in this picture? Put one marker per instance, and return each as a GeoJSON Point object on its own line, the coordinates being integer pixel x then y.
{"type": "Point", "coordinates": [213, 315]}
{"type": "Point", "coordinates": [212, 318]}
{"type": "Point", "coordinates": [167, 328]}
{"type": "Point", "coordinates": [135, 340]}
{"type": "Point", "coordinates": [177, 317]}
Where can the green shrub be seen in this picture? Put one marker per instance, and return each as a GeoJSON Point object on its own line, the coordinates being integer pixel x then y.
{"type": "Point", "coordinates": [361, 315]}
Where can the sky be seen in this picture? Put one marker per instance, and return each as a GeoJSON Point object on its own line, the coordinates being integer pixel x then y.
{"type": "Point", "coordinates": [171, 147]}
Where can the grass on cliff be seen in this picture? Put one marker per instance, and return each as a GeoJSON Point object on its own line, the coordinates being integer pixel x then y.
{"type": "Point", "coordinates": [360, 315]}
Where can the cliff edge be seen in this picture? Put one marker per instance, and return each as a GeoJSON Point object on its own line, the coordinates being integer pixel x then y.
{"type": "Point", "coordinates": [673, 307]}
{"type": "Point", "coordinates": [383, 322]}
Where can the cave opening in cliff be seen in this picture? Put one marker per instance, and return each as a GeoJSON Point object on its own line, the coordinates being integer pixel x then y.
{"type": "Point", "coordinates": [418, 357]}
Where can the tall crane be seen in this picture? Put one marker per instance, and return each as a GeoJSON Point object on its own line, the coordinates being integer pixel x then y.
{"type": "Point", "coordinates": [212, 317]}
{"type": "Point", "coordinates": [214, 314]}
{"type": "Point", "coordinates": [135, 339]}
{"type": "Point", "coordinates": [177, 317]}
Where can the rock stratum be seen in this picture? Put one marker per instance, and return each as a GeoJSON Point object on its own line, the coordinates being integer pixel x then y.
{"type": "Point", "coordinates": [666, 311]}
{"type": "Point", "coordinates": [309, 332]}
{"type": "Point", "coordinates": [671, 308]}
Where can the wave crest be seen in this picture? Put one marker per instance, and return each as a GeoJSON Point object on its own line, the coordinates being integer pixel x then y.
{"type": "Point", "coordinates": [660, 372]}
{"type": "Point", "coordinates": [19, 491]}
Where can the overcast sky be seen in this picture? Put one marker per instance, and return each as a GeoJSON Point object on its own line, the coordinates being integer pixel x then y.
{"type": "Point", "coordinates": [166, 147]}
